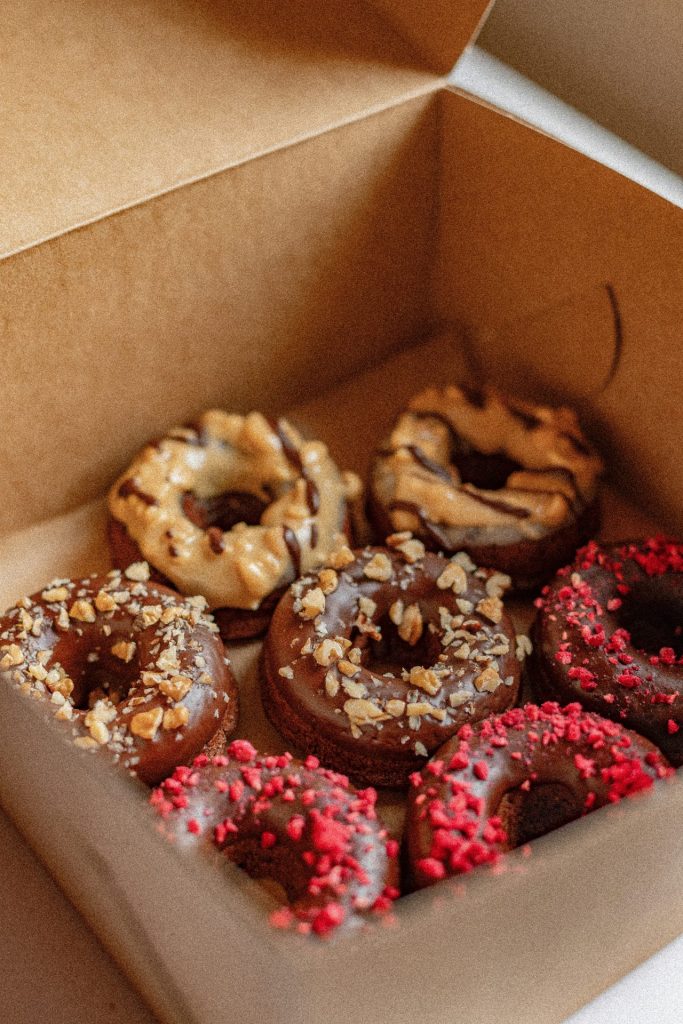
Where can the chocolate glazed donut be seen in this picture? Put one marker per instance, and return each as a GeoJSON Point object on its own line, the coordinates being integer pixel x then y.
{"type": "Point", "coordinates": [233, 507]}
{"type": "Point", "coordinates": [382, 656]}
{"type": "Point", "coordinates": [609, 633]}
{"type": "Point", "coordinates": [511, 483]}
{"type": "Point", "coordinates": [517, 776]}
{"type": "Point", "coordinates": [295, 823]}
{"type": "Point", "coordinates": [128, 668]}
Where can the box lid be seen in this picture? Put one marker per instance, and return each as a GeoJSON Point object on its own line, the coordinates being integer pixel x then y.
{"type": "Point", "coordinates": [106, 105]}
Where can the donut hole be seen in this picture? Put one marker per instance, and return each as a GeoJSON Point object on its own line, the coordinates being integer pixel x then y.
{"type": "Point", "coordinates": [652, 612]}
{"type": "Point", "coordinates": [223, 510]}
{"type": "Point", "coordinates": [546, 806]}
{"type": "Point", "coordinates": [487, 472]}
{"type": "Point", "coordinates": [392, 653]}
{"type": "Point", "coordinates": [97, 673]}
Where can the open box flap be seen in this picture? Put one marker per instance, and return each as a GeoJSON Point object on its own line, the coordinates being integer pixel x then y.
{"type": "Point", "coordinates": [107, 104]}
{"type": "Point", "coordinates": [439, 30]}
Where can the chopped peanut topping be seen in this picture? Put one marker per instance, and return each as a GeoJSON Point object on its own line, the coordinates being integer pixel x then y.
{"type": "Point", "coordinates": [488, 681]}
{"type": "Point", "coordinates": [331, 685]}
{"type": "Point", "coordinates": [328, 580]}
{"type": "Point", "coordinates": [523, 646]}
{"type": "Point", "coordinates": [55, 680]}
{"type": "Point", "coordinates": [354, 689]}
{"type": "Point", "coordinates": [454, 578]}
{"type": "Point", "coordinates": [396, 612]}
{"type": "Point", "coordinates": [497, 584]}
{"type": "Point", "coordinates": [12, 656]}
{"type": "Point", "coordinates": [312, 603]}
{"type": "Point", "coordinates": [456, 699]}
{"type": "Point", "coordinates": [150, 615]}
{"type": "Point", "coordinates": [492, 608]}
{"type": "Point", "coordinates": [99, 732]}
{"type": "Point", "coordinates": [137, 571]}
{"type": "Point", "coordinates": [146, 723]}
{"type": "Point", "coordinates": [124, 650]}
{"type": "Point", "coordinates": [342, 557]}
{"type": "Point", "coordinates": [412, 625]}
{"type": "Point", "coordinates": [378, 568]}
{"type": "Point", "coordinates": [328, 651]}
{"type": "Point", "coordinates": [82, 611]}
{"type": "Point", "coordinates": [463, 559]}
{"type": "Point", "coordinates": [425, 679]}
{"type": "Point", "coordinates": [55, 594]}
{"type": "Point", "coordinates": [367, 606]}
{"type": "Point", "coordinates": [347, 668]}
{"type": "Point", "coordinates": [176, 687]}
{"type": "Point", "coordinates": [420, 708]}
{"type": "Point", "coordinates": [395, 707]}
{"type": "Point", "coordinates": [104, 602]}
{"type": "Point", "coordinates": [363, 712]}
{"type": "Point", "coordinates": [175, 718]}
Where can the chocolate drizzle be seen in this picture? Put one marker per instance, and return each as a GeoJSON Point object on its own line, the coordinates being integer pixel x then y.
{"type": "Point", "coordinates": [294, 458]}
{"type": "Point", "coordinates": [429, 464]}
{"type": "Point", "coordinates": [216, 542]}
{"type": "Point", "coordinates": [293, 547]}
{"type": "Point", "coordinates": [500, 506]}
{"type": "Point", "coordinates": [129, 487]}
{"type": "Point", "coordinates": [430, 528]}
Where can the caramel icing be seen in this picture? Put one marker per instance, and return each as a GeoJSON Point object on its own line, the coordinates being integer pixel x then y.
{"type": "Point", "coordinates": [301, 490]}
{"type": "Point", "coordinates": [553, 473]}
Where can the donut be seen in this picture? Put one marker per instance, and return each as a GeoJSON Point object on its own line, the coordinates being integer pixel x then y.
{"type": "Point", "coordinates": [234, 508]}
{"type": "Point", "coordinates": [127, 667]}
{"type": "Point", "coordinates": [295, 823]}
{"type": "Point", "coordinates": [516, 776]}
{"type": "Point", "coordinates": [511, 483]}
{"type": "Point", "coordinates": [375, 661]}
{"type": "Point", "coordinates": [609, 633]}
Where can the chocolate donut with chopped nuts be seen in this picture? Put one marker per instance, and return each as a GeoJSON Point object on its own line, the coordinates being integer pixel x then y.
{"type": "Point", "coordinates": [293, 822]}
{"type": "Point", "coordinates": [512, 483]}
{"type": "Point", "coordinates": [233, 507]}
{"type": "Point", "coordinates": [127, 667]}
{"type": "Point", "coordinates": [375, 661]}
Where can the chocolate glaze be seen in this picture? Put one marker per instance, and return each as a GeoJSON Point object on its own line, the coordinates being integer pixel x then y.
{"type": "Point", "coordinates": [514, 777]}
{"type": "Point", "coordinates": [296, 823]}
{"type": "Point", "coordinates": [312, 720]}
{"type": "Point", "coordinates": [74, 647]}
{"type": "Point", "coordinates": [601, 626]}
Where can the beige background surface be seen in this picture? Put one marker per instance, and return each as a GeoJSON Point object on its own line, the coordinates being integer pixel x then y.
{"type": "Point", "coordinates": [619, 61]}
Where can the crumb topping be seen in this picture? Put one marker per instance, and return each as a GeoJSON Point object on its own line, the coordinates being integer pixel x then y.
{"type": "Point", "coordinates": [335, 855]}
{"type": "Point", "coordinates": [456, 795]}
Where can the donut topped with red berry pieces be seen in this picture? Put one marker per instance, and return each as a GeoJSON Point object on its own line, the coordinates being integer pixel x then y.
{"type": "Point", "coordinates": [609, 633]}
{"type": "Point", "coordinates": [294, 822]}
{"type": "Point", "coordinates": [514, 777]}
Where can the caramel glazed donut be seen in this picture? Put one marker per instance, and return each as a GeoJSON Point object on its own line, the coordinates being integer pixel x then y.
{"type": "Point", "coordinates": [514, 777]}
{"type": "Point", "coordinates": [511, 483]}
{"type": "Point", "coordinates": [234, 508]}
{"type": "Point", "coordinates": [375, 662]}
{"type": "Point", "coordinates": [609, 633]}
{"type": "Point", "coordinates": [298, 824]}
{"type": "Point", "coordinates": [128, 668]}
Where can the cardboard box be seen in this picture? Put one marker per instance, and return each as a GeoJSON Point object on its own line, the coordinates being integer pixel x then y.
{"type": "Point", "coordinates": [211, 206]}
